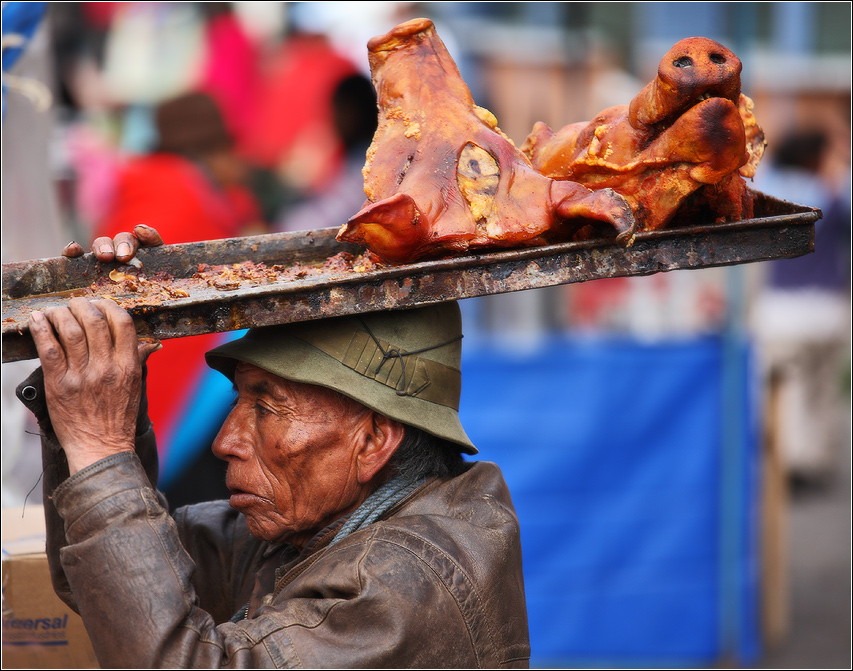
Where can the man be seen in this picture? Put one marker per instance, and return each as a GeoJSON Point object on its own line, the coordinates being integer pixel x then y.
{"type": "Point", "coordinates": [356, 535]}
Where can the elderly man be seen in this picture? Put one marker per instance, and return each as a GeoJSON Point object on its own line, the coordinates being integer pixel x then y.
{"type": "Point", "coordinates": [356, 535]}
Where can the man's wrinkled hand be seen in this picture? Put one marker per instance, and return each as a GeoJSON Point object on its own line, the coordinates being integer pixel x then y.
{"type": "Point", "coordinates": [92, 363]}
{"type": "Point", "coordinates": [122, 248]}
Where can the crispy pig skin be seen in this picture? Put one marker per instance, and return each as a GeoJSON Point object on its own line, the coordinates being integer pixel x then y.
{"type": "Point", "coordinates": [441, 178]}
{"type": "Point", "coordinates": [690, 129]}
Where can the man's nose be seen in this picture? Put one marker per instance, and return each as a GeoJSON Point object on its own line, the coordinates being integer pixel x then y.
{"type": "Point", "coordinates": [232, 440]}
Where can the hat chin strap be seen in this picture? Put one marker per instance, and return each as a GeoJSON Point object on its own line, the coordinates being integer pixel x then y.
{"type": "Point", "coordinates": [392, 352]}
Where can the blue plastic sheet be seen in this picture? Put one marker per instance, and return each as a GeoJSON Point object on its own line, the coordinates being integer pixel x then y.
{"type": "Point", "coordinates": [613, 451]}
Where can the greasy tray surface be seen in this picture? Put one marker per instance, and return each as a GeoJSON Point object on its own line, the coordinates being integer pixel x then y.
{"type": "Point", "coordinates": [779, 230]}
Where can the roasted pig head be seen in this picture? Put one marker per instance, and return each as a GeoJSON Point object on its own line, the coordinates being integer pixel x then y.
{"type": "Point", "coordinates": [689, 129]}
{"type": "Point", "coordinates": [441, 178]}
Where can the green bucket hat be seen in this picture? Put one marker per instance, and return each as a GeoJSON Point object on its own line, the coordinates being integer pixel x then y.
{"type": "Point", "coordinates": [403, 364]}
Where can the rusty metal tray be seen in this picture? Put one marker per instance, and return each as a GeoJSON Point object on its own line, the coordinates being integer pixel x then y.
{"type": "Point", "coordinates": [779, 230]}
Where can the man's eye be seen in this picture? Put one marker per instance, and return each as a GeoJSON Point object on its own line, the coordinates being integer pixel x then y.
{"type": "Point", "coordinates": [261, 410]}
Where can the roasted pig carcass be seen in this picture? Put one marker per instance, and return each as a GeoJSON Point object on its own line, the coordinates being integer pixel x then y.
{"type": "Point", "coordinates": [689, 136]}
{"type": "Point", "coordinates": [441, 178]}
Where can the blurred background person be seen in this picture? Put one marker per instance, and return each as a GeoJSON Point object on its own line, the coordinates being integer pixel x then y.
{"type": "Point", "coordinates": [192, 186]}
{"type": "Point", "coordinates": [291, 138]}
{"type": "Point", "coordinates": [355, 120]}
{"type": "Point", "coordinates": [231, 67]}
{"type": "Point", "coordinates": [801, 316]}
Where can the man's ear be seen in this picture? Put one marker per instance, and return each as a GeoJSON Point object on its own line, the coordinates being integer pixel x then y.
{"type": "Point", "coordinates": [380, 442]}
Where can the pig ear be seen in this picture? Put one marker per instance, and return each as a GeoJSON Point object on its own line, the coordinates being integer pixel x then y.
{"type": "Point", "coordinates": [539, 137]}
{"type": "Point", "coordinates": [574, 201]}
{"type": "Point", "coordinates": [395, 214]}
{"type": "Point", "coordinates": [647, 107]}
{"type": "Point", "coordinates": [391, 227]}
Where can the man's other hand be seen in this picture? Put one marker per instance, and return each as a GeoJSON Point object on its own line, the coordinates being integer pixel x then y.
{"type": "Point", "coordinates": [122, 248]}
{"type": "Point", "coordinates": [92, 363]}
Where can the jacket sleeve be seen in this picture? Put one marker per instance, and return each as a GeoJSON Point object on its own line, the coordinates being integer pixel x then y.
{"type": "Point", "coordinates": [134, 580]}
{"type": "Point", "coordinates": [100, 525]}
{"type": "Point", "coordinates": [55, 470]}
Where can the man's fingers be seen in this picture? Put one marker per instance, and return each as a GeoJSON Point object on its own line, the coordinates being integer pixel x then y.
{"type": "Point", "coordinates": [146, 347]}
{"type": "Point", "coordinates": [125, 245]}
{"type": "Point", "coordinates": [96, 328]}
{"type": "Point", "coordinates": [70, 337]}
{"type": "Point", "coordinates": [104, 249]}
{"type": "Point", "coordinates": [73, 250]}
{"type": "Point", "coordinates": [125, 339]}
{"type": "Point", "coordinates": [122, 248]}
{"type": "Point", "coordinates": [147, 236]}
{"type": "Point", "coordinates": [121, 330]}
{"type": "Point", "coordinates": [50, 352]}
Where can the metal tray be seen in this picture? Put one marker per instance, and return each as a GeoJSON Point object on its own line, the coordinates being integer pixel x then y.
{"type": "Point", "coordinates": [779, 230]}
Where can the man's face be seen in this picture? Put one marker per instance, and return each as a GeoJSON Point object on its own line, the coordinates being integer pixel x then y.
{"type": "Point", "coordinates": [291, 453]}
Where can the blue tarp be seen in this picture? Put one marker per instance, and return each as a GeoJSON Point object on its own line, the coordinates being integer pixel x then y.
{"type": "Point", "coordinates": [632, 468]}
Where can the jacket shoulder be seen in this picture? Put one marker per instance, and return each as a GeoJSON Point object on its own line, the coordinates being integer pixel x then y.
{"type": "Point", "coordinates": [454, 549]}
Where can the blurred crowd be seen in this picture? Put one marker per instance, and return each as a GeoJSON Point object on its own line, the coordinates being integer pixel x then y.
{"type": "Point", "coordinates": [183, 104]}
{"type": "Point", "coordinates": [800, 318]}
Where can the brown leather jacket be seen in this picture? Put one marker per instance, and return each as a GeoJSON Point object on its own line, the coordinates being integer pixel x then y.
{"type": "Point", "coordinates": [436, 582]}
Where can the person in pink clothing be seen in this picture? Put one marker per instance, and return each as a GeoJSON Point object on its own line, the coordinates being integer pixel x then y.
{"type": "Point", "coordinates": [230, 73]}
{"type": "Point", "coordinates": [292, 133]}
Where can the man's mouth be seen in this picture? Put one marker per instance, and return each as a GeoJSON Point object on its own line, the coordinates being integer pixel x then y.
{"type": "Point", "coordinates": [240, 498]}
{"type": "Point", "coordinates": [235, 490]}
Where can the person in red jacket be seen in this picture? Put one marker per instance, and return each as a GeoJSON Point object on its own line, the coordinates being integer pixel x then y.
{"type": "Point", "coordinates": [192, 186]}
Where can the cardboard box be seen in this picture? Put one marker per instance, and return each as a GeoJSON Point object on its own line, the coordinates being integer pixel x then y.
{"type": "Point", "coordinates": [39, 631]}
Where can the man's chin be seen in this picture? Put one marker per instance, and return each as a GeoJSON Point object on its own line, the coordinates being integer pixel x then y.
{"type": "Point", "coordinates": [263, 528]}
{"type": "Point", "coordinates": [264, 531]}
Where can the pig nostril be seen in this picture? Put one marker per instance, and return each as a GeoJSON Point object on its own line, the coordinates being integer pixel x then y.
{"type": "Point", "coordinates": [718, 58]}
{"type": "Point", "coordinates": [683, 62]}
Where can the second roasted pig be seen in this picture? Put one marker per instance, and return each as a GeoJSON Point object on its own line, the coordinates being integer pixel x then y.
{"type": "Point", "coordinates": [689, 135]}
